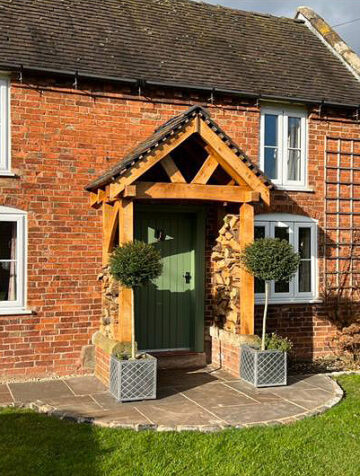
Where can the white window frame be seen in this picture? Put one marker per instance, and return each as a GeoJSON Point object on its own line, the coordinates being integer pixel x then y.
{"type": "Point", "coordinates": [5, 152]}
{"type": "Point", "coordinates": [20, 218]}
{"type": "Point", "coordinates": [283, 114]}
{"type": "Point", "coordinates": [293, 222]}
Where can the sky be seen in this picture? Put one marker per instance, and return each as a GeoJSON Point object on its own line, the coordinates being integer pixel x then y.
{"type": "Point", "coordinates": [333, 11]}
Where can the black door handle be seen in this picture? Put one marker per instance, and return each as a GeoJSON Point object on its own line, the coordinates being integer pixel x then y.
{"type": "Point", "coordinates": [187, 277]}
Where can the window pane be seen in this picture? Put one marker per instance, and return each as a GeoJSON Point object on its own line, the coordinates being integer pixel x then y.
{"type": "Point", "coordinates": [7, 240]}
{"type": "Point", "coordinates": [282, 232]}
{"type": "Point", "coordinates": [259, 286]}
{"type": "Point", "coordinates": [270, 162]}
{"type": "Point", "coordinates": [294, 164]}
{"type": "Point", "coordinates": [259, 232]}
{"type": "Point", "coordinates": [305, 277]}
{"type": "Point", "coordinates": [8, 281]}
{"type": "Point", "coordinates": [282, 287]}
{"type": "Point", "coordinates": [294, 136]}
{"type": "Point", "coordinates": [305, 243]}
{"type": "Point", "coordinates": [271, 128]}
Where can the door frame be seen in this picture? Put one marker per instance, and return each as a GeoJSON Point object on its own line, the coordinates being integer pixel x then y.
{"type": "Point", "coordinates": [197, 331]}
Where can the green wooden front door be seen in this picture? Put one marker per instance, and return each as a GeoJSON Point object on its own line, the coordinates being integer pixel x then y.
{"type": "Point", "coordinates": [165, 310]}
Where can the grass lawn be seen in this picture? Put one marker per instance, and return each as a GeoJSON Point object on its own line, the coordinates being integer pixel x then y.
{"type": "Point", "coordinates": [329, 444]}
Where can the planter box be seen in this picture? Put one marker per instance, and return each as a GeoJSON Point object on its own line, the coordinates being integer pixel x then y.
{"type": "Point", "coordinates": [133, 379]}
{"type": "Point", "coordinates": [263, 368]}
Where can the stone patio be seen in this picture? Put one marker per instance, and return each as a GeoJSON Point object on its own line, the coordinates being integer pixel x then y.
{"type": "Point", "coordinates": [204, 400]}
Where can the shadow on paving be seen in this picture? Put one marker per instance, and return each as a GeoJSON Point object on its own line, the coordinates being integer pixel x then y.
{"type": "Point", "coordinates": [32, 444]}
{"type": "Point", "coordinates": [171, 382]}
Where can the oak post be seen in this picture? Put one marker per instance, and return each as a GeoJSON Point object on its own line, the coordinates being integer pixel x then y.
{"type": "Point", "coordinates": [122, 330]}
{"type": "Point", "coordinates": [247, 293]}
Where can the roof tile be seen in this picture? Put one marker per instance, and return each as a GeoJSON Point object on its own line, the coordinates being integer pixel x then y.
{"type": "Point", "coordinates": [175, 41]}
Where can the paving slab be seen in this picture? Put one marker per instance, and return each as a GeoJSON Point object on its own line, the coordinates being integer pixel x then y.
{"type": "Point", "coordinates": [85, 385]}
{"type": "Point", "coordinates": [123, 416]}
{"type": "Point", "coordinates": [187, 413]}
{"type": "Point", "coordinates": [183, 380]}
{"type": "Point", "coordinates": [315, 381]}
{"type": "Point", "coordinates": [82, 405]}
{"type": "Point", "coordinates": [46, 390]}
{"type": "Point", "coordinates": [205, 400]}
{"type": "Point", "coordinates": [260, 413]}
{"type": "Point", "coordinates": [217, 395]}
{"type": "Point", "coordinates": [307, 398]}
{"type": "Point", "coordinates": [255, 395]}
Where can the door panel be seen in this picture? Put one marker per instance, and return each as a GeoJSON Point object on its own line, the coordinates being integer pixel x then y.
{"type": "Point", "coordinates": [164, 309]}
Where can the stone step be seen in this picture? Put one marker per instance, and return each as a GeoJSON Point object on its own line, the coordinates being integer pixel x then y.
{"type": "Point", "coordinates": [180, 360]}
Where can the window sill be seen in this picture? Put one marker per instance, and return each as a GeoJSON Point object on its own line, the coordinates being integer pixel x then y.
{"type": "Point", "coordinates": [289, 301]}
{"type": "Point", "coordinates": [295, 189]}
{"type": "Point", "coordinates": [4, 174]}
{"type": "Point", "coordinates": [15, 312]}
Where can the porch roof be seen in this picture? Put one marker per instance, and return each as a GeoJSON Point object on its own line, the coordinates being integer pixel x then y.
{"type": "Point", "coordinates": [161, 134]}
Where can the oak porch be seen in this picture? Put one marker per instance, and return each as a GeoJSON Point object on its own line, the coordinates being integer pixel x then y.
{"type": "Point", "coordinates": [156, 171]}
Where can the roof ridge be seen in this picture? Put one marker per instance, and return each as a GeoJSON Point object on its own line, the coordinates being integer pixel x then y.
{"type": "Point", "coordinates": [188, 112]}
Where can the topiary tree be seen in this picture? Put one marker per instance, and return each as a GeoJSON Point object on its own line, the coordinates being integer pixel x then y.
{"type": "Point", "coordinates": [135, 264]}
{"type": "Point", "coordinates": [270, 259]}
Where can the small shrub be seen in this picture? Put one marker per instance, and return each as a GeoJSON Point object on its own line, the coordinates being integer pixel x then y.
{"type": "Point", "coordinates": [270, 259]}
{"type": "Point", "coordinates": [121, 355]}
{"type": "Point", "coordinates": [276, 342]}
{"type": "Point", "coordinates": [348, 342]}
{"type": "Point", "coordinates": [135, 264]}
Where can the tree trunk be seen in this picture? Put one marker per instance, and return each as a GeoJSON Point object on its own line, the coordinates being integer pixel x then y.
{"type": "Point", "coordinates": [132, 325]}
{"type": "Point", "coordinates": [267, 292]}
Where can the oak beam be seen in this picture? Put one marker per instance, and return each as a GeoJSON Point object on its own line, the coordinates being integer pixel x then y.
{"type": "Point", "coordinates": [158, 190]}
{"type": "Point", "coordinates": [172, 170]}
{"type": "Point", "coordinates": [122, 329]}
{"type": "Point", "coordinates": [232, 163]}
{"type": "Point", "coordinates": [130, 191]}
{"type": "Point", "coordinates": [110, 226]}
{"type": "Point", "coordinates": [93, 200]}
{"type": "Point", "coordinates": [206, 170]}
{"type": "Point", "coordinates": [96, 199]}
{"type": "Point", "coordinates": [247, 293]}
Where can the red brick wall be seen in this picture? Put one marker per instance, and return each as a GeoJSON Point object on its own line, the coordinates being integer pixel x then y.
{"type": "Point", "coordinates": [61, 139]}
{"type": "Point", "coordinates": [226, 356]}
{"type": "Point", "coordinates": [102, 365]}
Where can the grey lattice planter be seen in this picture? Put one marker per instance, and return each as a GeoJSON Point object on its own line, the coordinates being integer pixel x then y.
{"type": "Point", "coordinates": [133, 379]}
{"type": "Point", "coordinates": [263, 368]}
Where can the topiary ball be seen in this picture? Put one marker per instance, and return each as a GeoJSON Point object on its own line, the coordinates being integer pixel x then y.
{"type": "Point", "coordinates": [135, 264]}
{"type": "Point", "coordinates": [271, 259]}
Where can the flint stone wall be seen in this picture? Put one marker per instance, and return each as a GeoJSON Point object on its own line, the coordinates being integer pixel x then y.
{"type": "Point", "coordinates": [226, 275]}
{"type": "Point", "coordinates": [110, 303]}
